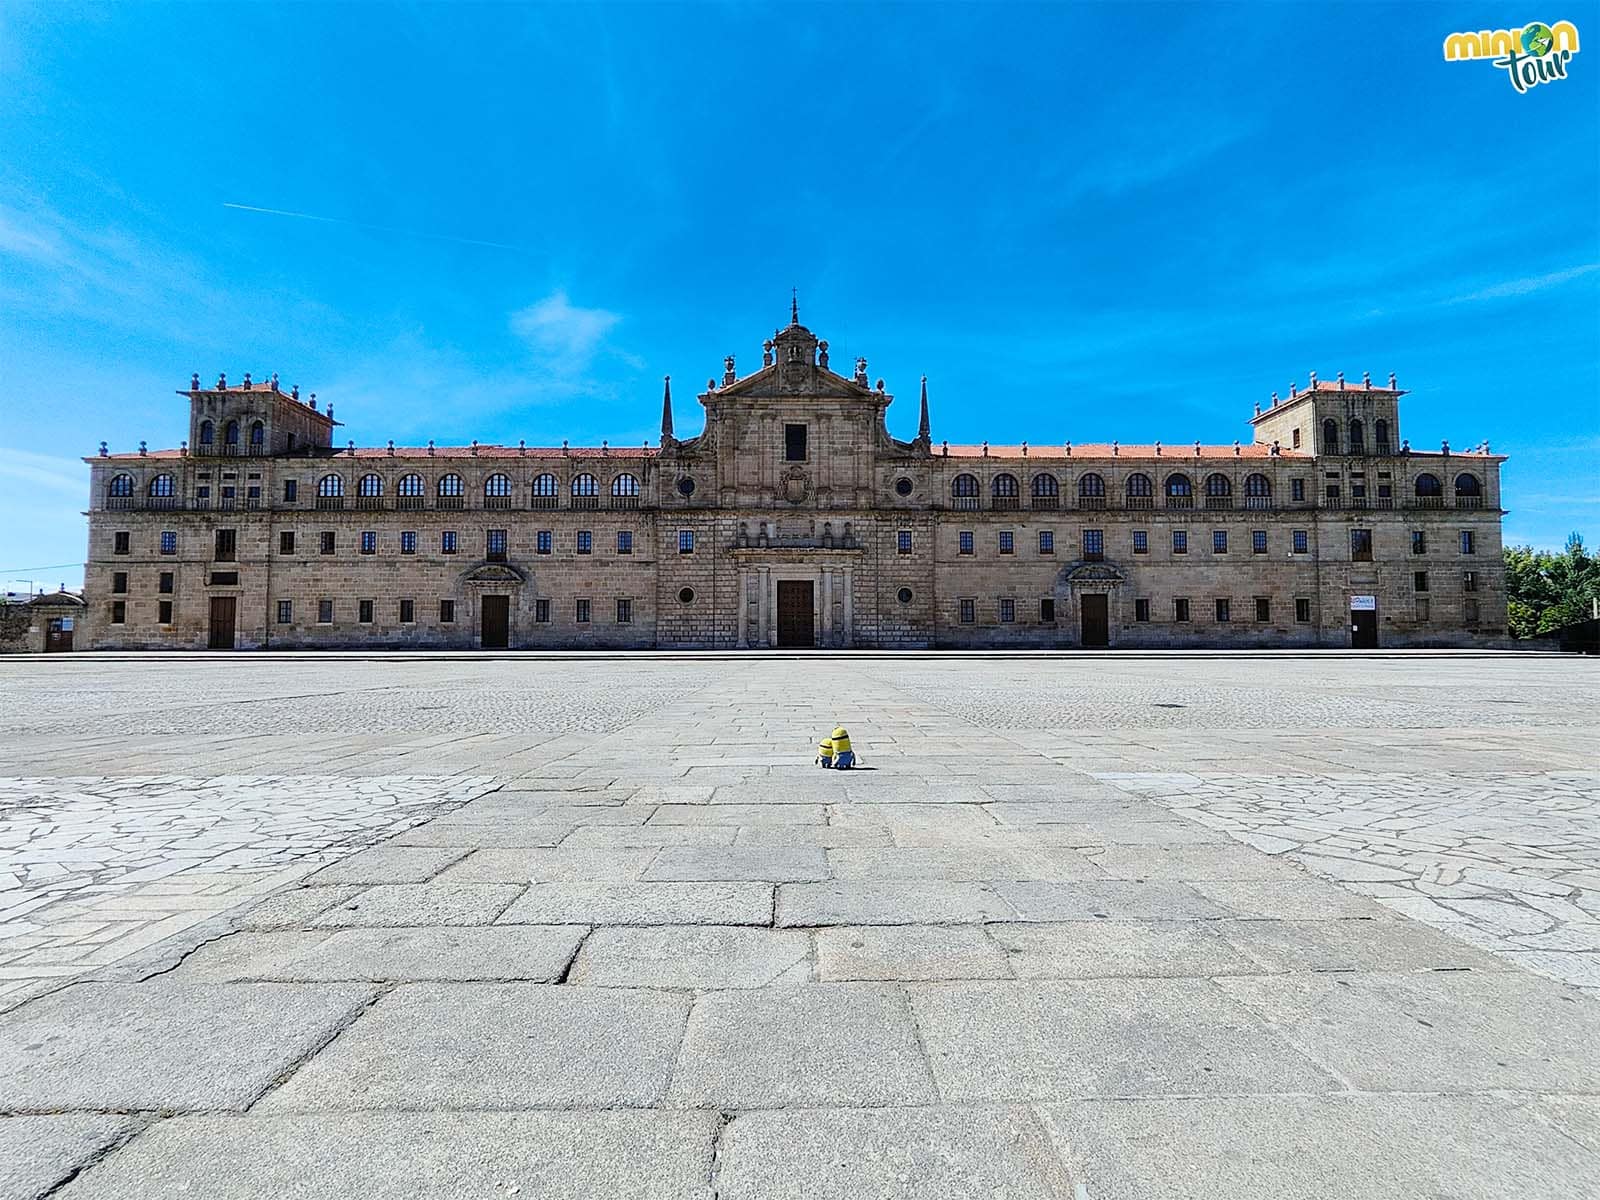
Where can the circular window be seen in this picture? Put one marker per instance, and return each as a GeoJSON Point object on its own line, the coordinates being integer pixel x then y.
{"type": "Point", "coordinates": [686, 486]}
{"type": "Point", "coordinates": [905, 595]}
{"type": "Point", "coordinates": [686, 596]}
{"type": "Point", "coordinates": [903, 486]}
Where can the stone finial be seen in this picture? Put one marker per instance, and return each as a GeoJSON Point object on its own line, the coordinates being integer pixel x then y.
{"type": "Point", "coordinates": [390, 448]}
{"type": "Point", "coordinates": [142, 451]}
{"type": "Point", "coordinates": [1114, 449]}
{"type": "Point", "coordinates": [1236, 447]}
{"type": "Point", "coordinates": [1341, 380]}
{"type": "Point", "coordinates": [1068, 447]}
{"type": "Point", "coordinates": [1274, 399]}
{"type": "Point", "coordinates": [430, 447]}
{"type": "Point", "coordinates": [1444, 447]}
{"type": "Point", "coordinates": [1392, 387]}
{"type": "Point", "coordinates": [274, 381]}
{"type": "Point", "coordinates": [194, 382]}
{"type": "Point", "coordinates": [666, 409]}
{"type": "Point", "coordinates": [1405, 446]}
{"type": "Point", "coordinates": [880, 387]}
{"type": "Point", "coordinates": [565, 449]}
{"type": "Point", "coordinates": [605, 446]}
{"type": "Point", "coordinates": [766, 353]}
{"type": "Point", "coordinates": [986, 447]}
{"type": "Point", "coordinates": [247, 381]}
{"type": "Point", "coordinates": [330, 412]}
{"type": "Point", "coordinates": [944, 448]}
{"type": "Point", "coordinates": [1366, 379]}
{"type": "Point", "coordinates": [794, 306]}
{"type": "Point", "coordinates": [1158, 449]}
{"type": "Point", "coordinates": [822, 355]}
{"type": "Point", "coordinates": [1024, 449]}
{"type": "Point", "coordinates": [711, 385]}
{"type": "Point", "coordinates": [1313, 384]}
{"type": "Point", "coordinates": [522, 446]}
{"type": "Point", "coordinates": [313, 402]}
{"type": "Point", "coordinates": [1197, 448]}
{"type": "Point", "coordinates": [1486, 446]}
{"type": "Point", "coordinates": [103, 452]}
{"type": "Point", "coordinates": [294, 392]}
{"type": "Point", "coordinates": [474, 447]}
{"type": "Point", "coordinates": [729, 375]}
{"type": "Point", "coordinates": [1258, 408]}
{"type": "Point", "coordinates": [1276, 448]}
{"type": "Point", "coordinates": [183, 448]}
{"type": "Point", "coordinates": [352, 449]}
{"type": "Point", "coordinates": [222, 381]}
{"type": "Point", "coordinates": [861, 371]}
{"type": "Point", "coordinates": [924, 430]}
{"type": "Point", "coordinates": [1294, 389]}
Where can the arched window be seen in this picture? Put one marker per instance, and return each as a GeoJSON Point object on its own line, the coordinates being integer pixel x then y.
{"type": "Point", "coordinates": [585, 491]}
{"type": "Point", "coordinates": [330, 491]}
{"type": "Point", "coordinates": [1046, 491]}
{"type": "Point", "coordinates": [1141, 492]}
{"type": "Point", "coordinates": [625, 492]}
{"type": "Point", "coordinates": [497, 491]}
{"type": "Point", "coordinates": [1180, 491]}
{"type": "Point", "coordinates": [411, 491]}
{"type": "Point", "coordinates": [1469, 492]}
{"type": "Point", "coordinates": [546, 491]}
{"type": "Point", "coordinates": [964, 492]}
{"type": "Point", "coordinates": [370, 486]}
{"type": "Point", "coordinates": [230, 434]}
{"type": "Point", "coordinates": [1358, 438]}
{"type": "Point", "coordinates": [162, 486]}
{"type": "Point", "coordinates": [1219, 491]}
{"type": "Point", "coordinates": [208, 433]}
{"type": "Point", "coordinates": [1257, 491]}
{"type": "Point", "coordinates": [258, 435]}
{"type": "Point", "coordinates": [451, 491]}
{"type": "Point", "coordinates": [1380, 435]}
{"type": "Point", "coordinates": [119, 492]}
{"type": "Point", "coordinates": [1091, 491]}
{"type": "Point", "coordinates": [1005, 485]}
{"type": "Point", "coordinates": [1330, 436]}
{"type": "Point", "coordinates": [1430, 492]}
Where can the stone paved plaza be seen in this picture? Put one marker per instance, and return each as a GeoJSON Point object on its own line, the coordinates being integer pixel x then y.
{"type": "Point", "coordinates": [1122, 926]}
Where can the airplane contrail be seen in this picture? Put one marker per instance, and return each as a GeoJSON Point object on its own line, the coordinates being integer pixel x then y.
{"type": "Point", "coordinates": [441, 237]}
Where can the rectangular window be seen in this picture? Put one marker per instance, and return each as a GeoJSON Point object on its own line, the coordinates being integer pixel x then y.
{"type": "Point", "coordinates": [1180, 609]}
{"type": "Point", "coordinates": [1385, 492]}
{"type": "Point", "coordinates": [541, 611]}
{"type": "Point", "coordinates": [369, 541]}
{"type": "Point", "coordinates": [447, 542]}
{"type": "Point", "coordinates": [1047, 611]}
{"type": "Point", "coordinates": [1141, 541]}
{"type": "Point", "coordinates": [324, 612]}
{"type": "Point", "coordinates": [1219, 541]}
{"type": "Point", "coordinates": [285, 541]}
{"type": "Point", "coordinates": [1297, 489]}
{"type": "Point", "coordinates": [227, 543]}
{"type": "Point", "coordinates": [969, 611]}
{"type": "Point", "coordinates": [1358, 491]}
{"type": "Point", "coordinates": [903, 541]}
{"type": "Point", "coordinates": [1263, 608]}
{"type": "Point", "coordinates": [169, 541]}
{"type": "Point", "coordinates": [1224, 611]}
{"type": "Point", "coordinates": [364, 611]}
{"type": "Point", "coordinates": [1141, 610]}
{"type": "Point", "coordinates": [1180, 541]}
{"type": "Point", "coordinates": [408, 612]}
{"type": "Point", "coordinates": [1094, 544]}
{"type": "Point", "coordinates": [252, 495]}
{"type": "Point", "coordinates": [1424, 605]}
{"type": "Point", "coordinates": [1469, 543]}
{"type": "Point", "coordinates": [164, 583]}
{"type": "Point", "coordinates": [1008, 611]}
{"type": "Point", "coordinates": [685, 541]}
{"type": "Point", "coordinates": [794, 443]}
{"type": "Point", "coordinates": [1302, 610]}
{"type": "Point", "coordinates": [285, 612]}
{"type": "Point", "coordinates": [965, 542]}
{"type": "Point", "coordinates": [202, 497]}
{"type": "Point", "coordinates": [1361, 545]}
{"type": "Point", "coordinates": [1258, 541]}
{"type": "Point", "coordinates": [224, 578]}
{"type": "Point", "coordinates": [1332, 492]}
{"type": "Point", "coordinates": [119, 582]}
{"type": "Point", "coordinates": [494, 545]}
{"type": "Point", "coordinates": [325, 541]}
{"type": "Point", "coordinates": [1047, 541]}
{"type": "Point", "coordinates": [1296, 442]}
{"type": "Point", "coordinates": [1302, 541]}
{"type": "Point", "coordinates": [624, 612]}
{"type": "Point", "coordinates": [1007, 542]}
{"type": "Point", "coordinates": [1469, 612]}
{"type": "Point", "coordinates": [583, 612]}
{"type": "Point", "coordinates": [1419, 541]}
{"type": "Point", "coordinates": [408, 541]}
{"type": "Point", "coordinates": [290, 490]}
{"type": "Point", "coordinates": [119, 612]}
{"type": "Point", "coordinates": [1469, 581]}
{"type": "Point", "coordinates": [624, 541]}
{"type": "Point", "coordinates": [585, 542]}
{"type": "Point", "coordinates": [1419, 581]}
{"type": "Point", "coordinates": [447, 612]}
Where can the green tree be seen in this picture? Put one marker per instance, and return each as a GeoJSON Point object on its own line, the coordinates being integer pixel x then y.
{"type": "Point", "coordinates": [1546, 591]}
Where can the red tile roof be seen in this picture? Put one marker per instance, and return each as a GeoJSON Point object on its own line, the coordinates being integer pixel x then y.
{"type": "Point", "coordinates": [410, 452]}
{"type": "Point", "coordinates": [1169, 450]}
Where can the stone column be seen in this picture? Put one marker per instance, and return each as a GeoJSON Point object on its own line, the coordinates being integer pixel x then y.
{"type": "Point", "coordinates": [744, 610]}
{"type": "Point", "coordinates": [849, 610]}
{"type": "Point", "coordinates": [764, 606]}
{"type": "Point", "coordinates": [827, 608]}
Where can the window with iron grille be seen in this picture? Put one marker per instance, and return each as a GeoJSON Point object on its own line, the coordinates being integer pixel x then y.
{"type": "Point", "coordinates": [585, 542]}
{"type": "Point", "coordinates": [291, 490]}
{"type": "Point", "coordinates": [286, 541]}
{"type": "Point", "coordinates": [583, 612]}
{"type": "Point", "coordinates": [1094, 544]}
{"type": "Point", "coordinates": [1258, 541]}
{"type": "Point", "coordinates": [624, 541]}
{"type": "Point", "coordinates": [1141, 541]}
{"type": "Point", "coordinates": [364, 611]}
{"type": "Point", "coordinates": [685, 541]}
{"type": "Point", "coordinates": [1141, 610]}
{"type": "Point", "coordinates": [1302, 609]}
{"type": "Point", "coordinates": [1469, 542]}
{"type": "Point", "coordinates": [495, 545]}
{"type": "Point", "coordinates": [1302, 541]}
{"type": "Point", "coordinates": [544, 542]}
{"type": "Point", "coordinates": [966, 542]}
{"type": "Point", "coordinates": [624, 612]}
{"type": "Point", "coordinates": [119, 581]}
{"type": "Point", "coordinates": [119, 542]}
{"type": "Point", "coordinates": [1224, 611]}
{"type": "Point", "coordinates": [324, 612]}
{"type": "Point", "coordinates": [447, 541]}
{"type": "Point", "coordinates": [165, 581]}
{"type": "Point", "coordinates": [1008, 611]}
{"type": "Point", "coordinates": [541, 611]}
{"type": "Point", "coordinates": [408, 612]}
{"type": "Point", "coordinates": [1361, 545]}
{"type": "Point", "coordinates": [227, 545]}
{"type": "Point", "coordinates": [325, 541]}
{"type": "Point", "coordinates": [1419, 541]}
{"type": "Point", "coordinates": [903, 541]}
{"type": "Point", "coordinates": [285, 612]}
{"type": "Point", "coordinates": [1007, 542]}
{"type": "Point", "coordinates": [1180, 541]}
{"type": "Point", "coordinates": [169, 541]}
{"type": "Point", "coordinates": [369, 541]}
{"type": "Point", "coordinates": [1297, 489]}
{"type": "Point", "coordinates": [1047, 541]}
{"type": "Point", "coordinates": [408, 541]}
{"type": "Point", "coordinates": [1219, 541]}
{"type": "Point", "coordinates": [1469, 581]}
{"type": "Point", "coordinates": [969, 611]}
{"type": "Point", "coordinates": [1263, 608]}
{"type": "Point", "coordinates": [1180, 609]}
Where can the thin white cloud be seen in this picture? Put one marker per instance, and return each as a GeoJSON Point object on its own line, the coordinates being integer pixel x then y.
{"type": "Point", "coordinates": [43, 470]}
{"type": "Point", "coordinates": [564, 336]}
{"type": "Point", "coordinates": [1523, 287]}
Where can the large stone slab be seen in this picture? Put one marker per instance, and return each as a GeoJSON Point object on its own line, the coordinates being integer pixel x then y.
{"type": "Point", "coordinates": [388, 864]}
{"type": "Point", "coordinates": [295, 907]}
{"type": "Point", "coordinates": [478, 836]}
{"type": "Point", "coordinates": [437, 903]}
{"type": "Point", "coordinates": [774, 864]}
{"type": "Point", "coordinates": [642, 904]}
{"type": "Point", "coordinates": [835, 1043]}
{"type": "Point", "coordinates": [1319, 1148]}
{"type": "Point", "coordinates": [1351, 944]}
{"type": "Point", "coordinates": [532, 952]}
{"type": "Point", "coordinates": [1051, 1040]}
{"type": "Point", "coordinates": [497, 1045]}
{"type": "Point", "coordinates": [804, 904]}
{"type": "Point", "coordinates": [626, 837]}
{"type": "Point", "coordinates": [962, 863]}
{"type": "Point", "coordinates": [896, 952]}
{"type": "Point", "coordinates": [36, 1153]}
{"type": "Point", "coordinates": [1112, 949]}
{"type": "Point", "coordinates": [402, 1156]}
{"type": "Point", "coordinates": [824, 836]}
{"type": "Point", "coordinates": [1435, 1030]}
{"type": "Point", "coordinates": [1109, 900]}
{"type": "Point", "coordinates": [739, 814]}
{"type": "Point", "coordinates": [559, 865]}
{"type": "Point", "coordinates": [889, 1154]}
{"type": "Point", "coordinates": [673, 956]}
{"type": "Point", "coordinates": [1231, 861]}
{"type": "Point", "coordinates": [164, 1045]}
{"type": "Point", "coordinates": [1303, 899]}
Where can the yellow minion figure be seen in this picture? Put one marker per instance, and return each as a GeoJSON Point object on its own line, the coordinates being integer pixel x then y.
{"type": "Point", "coordinates": [825, 751]}
{"type": "Point", "coordinates": [843, 757]}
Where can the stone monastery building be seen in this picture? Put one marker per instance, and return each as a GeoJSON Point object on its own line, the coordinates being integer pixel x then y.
{"type": "Point", "coordinates": [794, 520]}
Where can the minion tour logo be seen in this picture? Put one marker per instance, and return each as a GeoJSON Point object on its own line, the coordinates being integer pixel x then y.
{"type": "Point", "coordinates": [1535, 54]}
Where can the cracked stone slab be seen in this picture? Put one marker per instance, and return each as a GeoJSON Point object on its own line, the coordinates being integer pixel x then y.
{"type": "Point", "coordinates": [1109, 899]}
{"type": "Point", "coordinates": [37, 1153]}
{"type": "Point", "coordinates": [772, 864]}
{"type": "Point", "coordinates": [642, 904]}
{"type": "Point", "coordinates": [1111, 949]}
{"type": "Point", "coordinates": [295, 907]}
{"type": "Point", "coordinates": [827, 837]}
{"type": "Point", "coordinates": [387, 864]}
{"type": "Point", "coordinates": [700, 957]}
{"type": "Point", "coordinates": [1302, 899]}
{"type": "Point", "coordinates": [559, 865]}
{"type": "Point", "coordinates": [1048, 1040]}
{"type": "Point", "coordinates": [1349, 944]}
{"type": "Point", "coordinates": [439, 903]}
{"type": "Point", "coordinates": [827, 1043]}
{"type": "Point", "coordinates": [618, 1155]}
{"type": "Point", "coordinates": [1190, 863]}
{"type": "Point", "coordinates": [739, 814]}
{"type": "Point", "coordinates": [962, 863]}
{"type": "Point", "coordinates": [934, 1153]}
{"type": "Point", "coordinates": [471, 837]}
{"type": "Point", "coordinates": [164, 1045]}
{"type": "Point", "coordinates": [496, 1045]}
{"type": "Point", "coordinates": [905, 903]}
{"type": "Point", "coordinates": [638, 837]}
{"type": "Point", "coordinates": [530, 952]}
{"type": "Point", "coordinates": [896, 952]}
{"type": "Point", "coordinates": [1430, 1030]}
{"type": "Point", "coordinates": [1317, 1147]}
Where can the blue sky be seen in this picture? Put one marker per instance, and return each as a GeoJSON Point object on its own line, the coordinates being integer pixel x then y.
{"type": "Point", "coordinates": [1084, 222]}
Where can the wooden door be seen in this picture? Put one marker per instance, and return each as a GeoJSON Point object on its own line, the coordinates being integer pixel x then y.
{"type": "Point", "coordinates": [1364, 630]}
{"type": "Point", "coordinates": [1096, 623]}
{"type": "Point", "coordinates": [796, 613]}
{"type": "Point", "coordinates": [57, 636]}
{"type": "Point", "coordinates": [496, 632]}
{"type": "Point", "coordinates": [223, 611]}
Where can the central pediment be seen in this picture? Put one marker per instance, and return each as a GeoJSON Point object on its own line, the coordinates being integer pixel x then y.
{"type": "Point", "coordinates": [794, 362]}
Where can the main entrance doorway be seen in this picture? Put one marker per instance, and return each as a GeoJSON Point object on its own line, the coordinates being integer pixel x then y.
{"type": "Point", "coordinates": [223, 611]}
{"type": "Point", "coordinates": [1096, 624]}
{"type": "Point", "coordinates": [797, 619]}
{"type": "Point", "coordinates": [58, 635]}
{"type": "Point", "coordinates": [1364, 629]}
{"type": "Point", "coordinates": [496, 631]}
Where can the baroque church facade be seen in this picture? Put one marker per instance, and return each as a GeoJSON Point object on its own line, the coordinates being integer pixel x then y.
{"type": "Point", "coordinates": [795, 519]}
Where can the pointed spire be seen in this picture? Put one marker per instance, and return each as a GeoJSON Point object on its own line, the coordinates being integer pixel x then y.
{"type": "Point", "coordinates": [924, 432]}
{"type": "Point", "coordinates": [666, 409]}
{"type": "Point", "coordinates": [794, 306]}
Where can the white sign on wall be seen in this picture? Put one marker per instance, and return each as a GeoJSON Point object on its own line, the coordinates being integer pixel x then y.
{"type": "Point", "coordinates": [1363, 604]}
